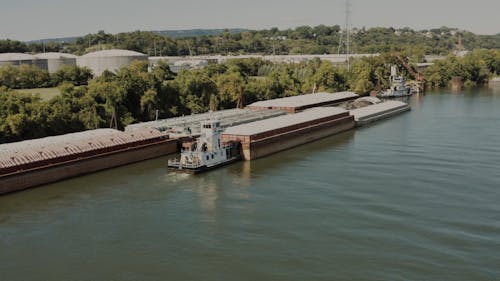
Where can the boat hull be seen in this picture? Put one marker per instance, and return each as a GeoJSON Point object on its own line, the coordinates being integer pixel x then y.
{"type": "Point", "coordinates": [200, 169]}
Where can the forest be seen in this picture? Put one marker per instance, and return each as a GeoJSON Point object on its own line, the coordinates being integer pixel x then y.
{"type": "Point", "coordinates": [134, 93]}
{"type": "Point", "coordinates": [320, 39]}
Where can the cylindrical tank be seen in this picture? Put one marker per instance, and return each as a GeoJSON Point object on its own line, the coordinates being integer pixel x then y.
{"type": "Point", "coordinates": [111, 60]}
{"type": "Point", "coordinates": [17, 59]}
{"type": "Point", "coordinates": [55, 61]}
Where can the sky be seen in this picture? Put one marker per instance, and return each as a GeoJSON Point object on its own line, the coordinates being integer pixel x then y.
{"type": "Point", "coordinates": [39, 19]}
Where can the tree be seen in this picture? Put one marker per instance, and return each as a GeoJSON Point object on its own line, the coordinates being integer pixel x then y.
{"type": "Point", "coordinates": [195, 89]}
{"type": "Point", "coordinates": [74, 74]}
{"type": "Point", "coordinates": [231, 89]}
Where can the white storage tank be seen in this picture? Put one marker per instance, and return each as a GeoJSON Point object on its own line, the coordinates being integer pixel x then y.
{"type": "Point", "coordinates": [55, 61]}
{"type": "Point", "coordinates": [111, 60]}
{"type": "Point", "coordinates": [17, 59]}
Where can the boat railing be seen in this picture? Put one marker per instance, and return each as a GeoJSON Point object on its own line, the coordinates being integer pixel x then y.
{"type": "Point", "coordinates": [176, 162]}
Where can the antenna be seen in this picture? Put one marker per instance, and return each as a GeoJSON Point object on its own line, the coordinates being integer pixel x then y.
{"type": "Point", "coordinates": [460, 47]}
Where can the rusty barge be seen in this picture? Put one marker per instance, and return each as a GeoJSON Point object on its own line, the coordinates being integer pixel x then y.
{"type": "Point", "coordinates": [261, 129]}
{"type": "Point", "coordinates": [41, 161]}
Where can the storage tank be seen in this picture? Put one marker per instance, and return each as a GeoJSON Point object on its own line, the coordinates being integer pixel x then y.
{"type": "Point", "coordinates": [111, 60]}
{"type": "Point", "coordinates": [17, 59]}
{"type": "Point", "coordinates": [55, 61]}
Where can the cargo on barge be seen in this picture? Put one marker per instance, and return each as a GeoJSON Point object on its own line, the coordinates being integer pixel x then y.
{"type": "Point", "coordinates": [36, 162]}
{"type": "Point", "coordinates": [262, 138]}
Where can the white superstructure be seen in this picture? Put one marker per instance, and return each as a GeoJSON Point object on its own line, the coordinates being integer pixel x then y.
{"type": "Point", "coordinates": [206, 152]}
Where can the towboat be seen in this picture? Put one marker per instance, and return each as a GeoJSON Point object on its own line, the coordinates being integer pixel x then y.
{"type": "Point", "coordinates": [398, 87]}
{"type": "Point", "coordinates": [206, 152]}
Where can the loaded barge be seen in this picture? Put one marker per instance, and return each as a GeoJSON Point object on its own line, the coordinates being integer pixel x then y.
{"type": "Point", "coordinates": [262, 138]}
{"type": "Point", "coordinates": [36, 162]}
{"type": "Point", "coordinates": [261, 129]}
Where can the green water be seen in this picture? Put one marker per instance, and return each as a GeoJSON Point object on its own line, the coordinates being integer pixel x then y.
{"type": "Point", "coordinates": [415, 197]}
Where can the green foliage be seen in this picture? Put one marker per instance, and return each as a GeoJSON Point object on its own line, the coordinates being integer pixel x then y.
{"type": "Point", "coordinates": [12, 46]}
{"type": "Point", "coordinates": [328, 78]}
{"type": "Point", "coordinates": [134, 94]}
{"type": "Point", "coordinates": [474, 69]}
{"type": "Point", "coordinates": [195, 89]}
{"type": "Point", "coordinates": [320, 39]}
{"type": "Point", "coordinates": [24, 77]}
{"type": "Point", "coordinates": [231, 90]}
{"type": "Point", "coordinates": [74, 74]}
{"type": "Point", "coordinates": [21, 116]}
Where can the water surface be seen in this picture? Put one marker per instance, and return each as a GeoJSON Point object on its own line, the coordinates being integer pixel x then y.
{"type": "Point", "coordinates": [415, 197]}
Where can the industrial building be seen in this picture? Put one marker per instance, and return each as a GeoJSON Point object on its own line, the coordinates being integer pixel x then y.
{"type": "Point", "coordinates": [297, 103]}
{"type": "Point", "coordinates": [333, 58]}
{"type": "Point", "coordinates": [261, 138]}
{"type": "Point", "coordinates": [18, 59]}
{"type": "Point", "coordinates": [110, 60]}
{"type": "Point", "coordinates": [40, 161]}
{"type": "Point", "coordinates": [55, 61]}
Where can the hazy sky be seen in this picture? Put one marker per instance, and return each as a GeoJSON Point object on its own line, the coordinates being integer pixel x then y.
{"type": "Point", "coordinates": [37, 19]}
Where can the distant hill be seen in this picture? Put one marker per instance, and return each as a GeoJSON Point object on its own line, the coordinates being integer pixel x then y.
{"type": "Point", "coordinates": [197, 32]}
{"type": "Point", "coordinates": [184, 33]}
{"type": "Point", "coordinates": [54, 40]}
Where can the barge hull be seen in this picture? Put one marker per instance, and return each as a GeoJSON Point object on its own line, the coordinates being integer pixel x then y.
{"type": "Point", "coordinates": [277, 143]}
{"type": "Point", "coordinates": [385, 115]}
{"type": "Point", "coordinates": [199, 170]}
{"type": "Point", "coordinates": [52, 173]}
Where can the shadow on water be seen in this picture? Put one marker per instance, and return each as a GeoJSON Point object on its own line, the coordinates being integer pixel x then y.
{"type": "Point", "coordinates": [119, 183]}
{"type": "Point", "coordinates": [283, 159]}
{"type": "Point", "coordinates": [103, 185]}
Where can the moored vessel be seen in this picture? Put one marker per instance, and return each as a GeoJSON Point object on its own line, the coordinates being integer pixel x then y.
{"type": "Point", "coordinates": [398, 87]}
{"type": "Point", "coordinates": [206, 152]}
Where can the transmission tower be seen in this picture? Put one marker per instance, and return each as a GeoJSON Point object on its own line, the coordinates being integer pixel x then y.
{"type": "Point", "coordinates": [348, 31]}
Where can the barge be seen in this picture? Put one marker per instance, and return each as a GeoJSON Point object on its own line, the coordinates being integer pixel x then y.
{"type": "Point", "coordinates": [262, 138]}
{"type": "Point", "coordinates": [372, 113]}
{"type": "Point", "coordinates": [298, 103]}
{"type": "Point", "coordinates": [41, 161]}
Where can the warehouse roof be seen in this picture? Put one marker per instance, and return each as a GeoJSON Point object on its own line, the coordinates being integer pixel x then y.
{"type": "Point", "coordinates": [16, 56]}
{"type": "Point", "coordinates": [283, 121]}
{"type": "Point", "coordinates": [305, 100]}
{"type": "Point", "coordinates": [379, 108]}
{"type": "Point", "coordinates": [29, 151]}
{"type": "Point", "coordinates": [113, 53]}
{"type": "Point", "coordinates": [54, 55]}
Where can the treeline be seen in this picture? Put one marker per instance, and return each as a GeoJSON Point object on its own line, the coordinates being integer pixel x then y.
{"type": "Point", "coordinates": [320, 39]}
{"type": "Point", "coordinates": [28, 76]}
{"type": "Point", "coordinates": [474, 69]}
{"type": "Point", "coordinates": [134, 94]}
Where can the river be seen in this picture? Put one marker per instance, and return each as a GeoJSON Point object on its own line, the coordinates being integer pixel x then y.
{"type": "Point", "coordinates": [415, 197]}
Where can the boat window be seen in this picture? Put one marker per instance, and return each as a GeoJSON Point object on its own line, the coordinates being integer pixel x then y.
{"type": "Point", "coordinates": [212, 156]}
{"type": "Point", "coordinates": [208, 157]}
{"type": "Point", "coordinates": [217, 124]}
{"type": "Point", "coordinates": [207, 126]}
